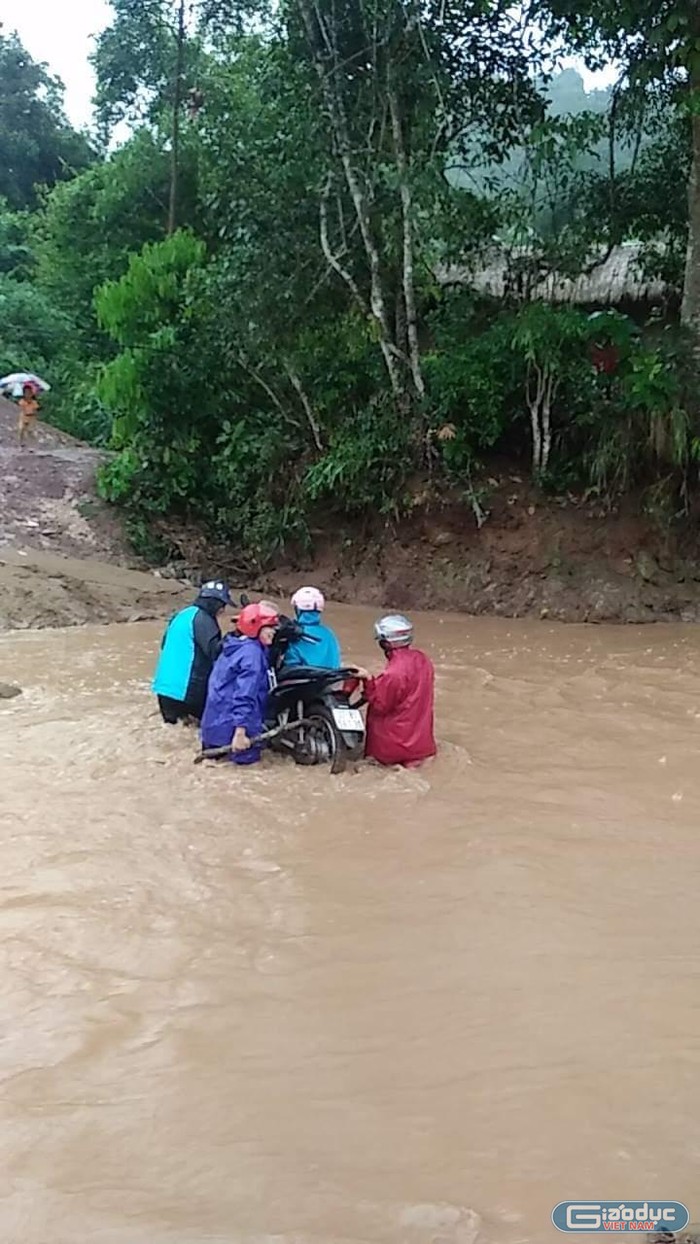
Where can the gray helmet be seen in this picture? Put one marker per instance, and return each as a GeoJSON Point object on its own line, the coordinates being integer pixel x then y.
{"type": "Point", "coordinates": [394, 630]}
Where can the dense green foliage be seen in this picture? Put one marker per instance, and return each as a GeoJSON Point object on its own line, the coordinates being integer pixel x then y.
{"type": "Point", "coordinates": [248, 297]}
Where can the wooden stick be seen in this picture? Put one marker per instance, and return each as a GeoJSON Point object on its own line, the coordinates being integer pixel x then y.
{"type": "Point", "coordinates": [216, 753]}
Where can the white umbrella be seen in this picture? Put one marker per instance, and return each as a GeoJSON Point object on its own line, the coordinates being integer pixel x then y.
{"type": "Point", "coordinates": [17, 380]}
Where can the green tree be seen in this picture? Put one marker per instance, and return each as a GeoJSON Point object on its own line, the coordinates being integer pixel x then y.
{"type": "Point", "coordinates": [194, 437]}
{"type": "Point", "coordinates": [270, 280]}
{"type": "Point", "coordinates": [400, 86]}
{"type": "Point", "coordinates": [551, 343]}
{"type": "Point", "coordinates": [37, 144]}
{"type": "Point", "coordinates": [92, 225]}
{"type": "Point", "coordinates": [643, 208]}
{"type": "Point", "coordinates": [152, 385]}
{"type": "Point", "coordinates": [33, 337]}
{"type": "Point", "coordinates": [656, 43]}
{"type": "Point", "coordinates": [147, 63]}
{"type": "Point", "coordinates": [17, 257]}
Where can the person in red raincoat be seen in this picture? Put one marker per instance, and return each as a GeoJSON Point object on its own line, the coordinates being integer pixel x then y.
{"type": "Point", "coordinates": [400, 700]}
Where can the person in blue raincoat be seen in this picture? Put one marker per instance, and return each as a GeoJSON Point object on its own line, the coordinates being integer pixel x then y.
{"type": "Point", "coordinates": [239, 685]}
{"type": "Point", "coordinates": [320, 646]}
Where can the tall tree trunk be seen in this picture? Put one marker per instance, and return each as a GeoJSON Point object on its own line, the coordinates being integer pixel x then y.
{"type": "Point", "coordinates": [409, 286]}
{"type": "Point", "coordinates": [330, 77]}
{"type": "Point", "coordinates": [690, 310]}
{"type": "Point", "coordinates": [306, 403]}
{"type": "Point", "coordinates": [177, 105]}
{"type": "Point", "coordinates": [534, 392]}
{"type": "Point", "coordinates": [547, 422]}
{"type": "Point", "coordinates": [377, 299]}
{"type": "Point", "coordinates": [400, 332]}
{"type": "Point", "coordinates": [536, 440]}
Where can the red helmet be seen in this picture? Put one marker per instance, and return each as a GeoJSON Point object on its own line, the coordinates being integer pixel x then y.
{"type": "Point", "coordinates": [253, 618]}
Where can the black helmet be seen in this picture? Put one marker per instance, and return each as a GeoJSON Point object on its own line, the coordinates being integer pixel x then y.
{"type": "Point", "coordinates": [215, 589]}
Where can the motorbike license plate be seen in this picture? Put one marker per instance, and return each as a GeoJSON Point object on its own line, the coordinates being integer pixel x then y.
{"type": "Point", "coordinates": [348, 719]}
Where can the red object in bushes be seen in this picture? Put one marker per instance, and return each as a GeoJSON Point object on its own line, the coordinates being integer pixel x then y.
{"type": "Point", "coordinates": [605, 359]}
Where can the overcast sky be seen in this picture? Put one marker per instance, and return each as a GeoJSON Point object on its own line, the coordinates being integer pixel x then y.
{"type": "Point", "coordinates": [61, 32]}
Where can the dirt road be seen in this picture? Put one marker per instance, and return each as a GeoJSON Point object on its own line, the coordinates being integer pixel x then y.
{"type": "Point", "coordinates": [63, 556]}
{"type": "Point", "coordinates": [48, 498]}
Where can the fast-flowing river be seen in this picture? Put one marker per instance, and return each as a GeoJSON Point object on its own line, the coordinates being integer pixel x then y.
{"type": "Point", "coordinates": [276, 1007]}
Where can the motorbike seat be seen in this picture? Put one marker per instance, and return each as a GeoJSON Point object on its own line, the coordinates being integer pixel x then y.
{"type": "Point", "coordinates": [310, 672]}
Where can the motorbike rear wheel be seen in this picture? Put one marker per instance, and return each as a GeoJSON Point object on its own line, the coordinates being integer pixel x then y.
{"type": "Point", "coordinates": [321, 742]}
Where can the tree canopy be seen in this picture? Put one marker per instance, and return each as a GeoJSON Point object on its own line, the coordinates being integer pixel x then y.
{"type": "Point", "coordinates": [38, 146]}
{"type": "Point", "coordinates": [254, 292]}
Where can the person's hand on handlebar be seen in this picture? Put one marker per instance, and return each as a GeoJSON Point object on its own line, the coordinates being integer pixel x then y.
{"type": "Point", "coordinates": [228, 619]}
{"type": "Point", "coordinates": [355, 687]}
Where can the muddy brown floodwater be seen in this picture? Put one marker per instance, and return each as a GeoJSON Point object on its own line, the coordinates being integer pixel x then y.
{"type": "Point", "coordinates": [275, 1007]}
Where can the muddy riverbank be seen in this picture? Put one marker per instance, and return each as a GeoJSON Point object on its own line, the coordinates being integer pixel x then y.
{"type": "Point", "coordinates": [560, 558]}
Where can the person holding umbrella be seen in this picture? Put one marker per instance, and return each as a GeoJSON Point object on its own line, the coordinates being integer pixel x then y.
{"type": "Point", "coordinates": [25, 386]}
{"type": "Point", "coordinates": [12, 385]}
{"type": "Point", "coordinates": [28, 413]}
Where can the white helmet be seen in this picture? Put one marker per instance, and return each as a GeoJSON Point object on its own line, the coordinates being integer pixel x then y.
{"type": "Point", "coordinates": [395, 630]}
{"type": "Point", "coordinates": [309, 600]}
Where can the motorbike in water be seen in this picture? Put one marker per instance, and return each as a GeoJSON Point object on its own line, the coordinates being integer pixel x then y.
{"type": "Point", "coordinates": [311, 706]}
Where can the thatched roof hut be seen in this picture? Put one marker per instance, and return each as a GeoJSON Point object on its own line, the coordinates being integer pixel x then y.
{"type": "Point", "coordinates": [617, 279]}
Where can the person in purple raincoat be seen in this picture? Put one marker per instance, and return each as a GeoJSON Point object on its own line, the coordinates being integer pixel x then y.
{"type": "Point", "coordinates": [239, 685]}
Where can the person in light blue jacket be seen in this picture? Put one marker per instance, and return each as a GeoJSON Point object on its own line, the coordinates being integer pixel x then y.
{"type": "Point", "coordinates": [319, 646]}
{"type": "Point", "coordinates": [190, 646]}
